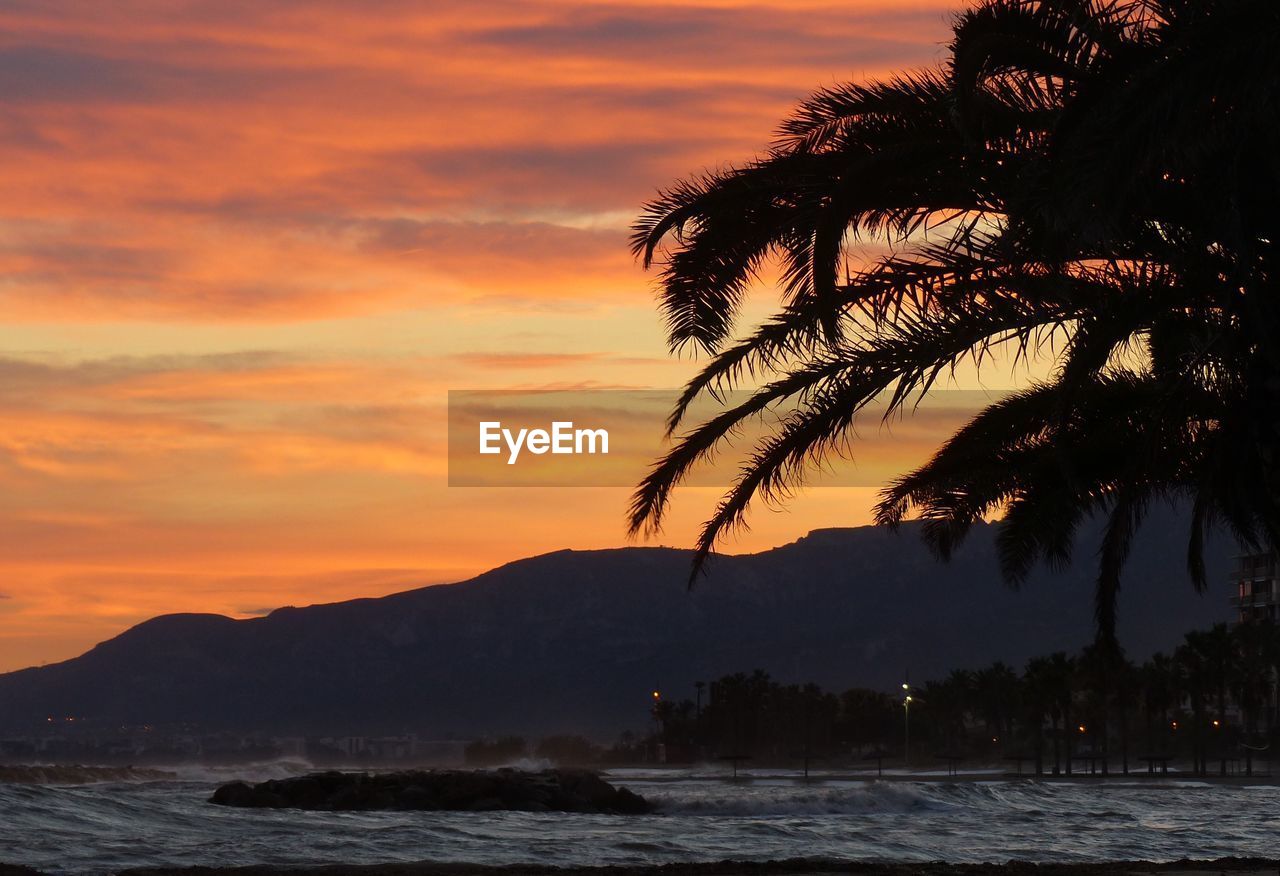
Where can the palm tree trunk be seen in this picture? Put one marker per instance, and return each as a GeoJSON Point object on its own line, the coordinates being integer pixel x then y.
{"type": "Point", "coordinates": [1106, 739]}
{"type": "Point", "coordinates": [1124, 740]}
{"type": "Point", "coordinates": [1068, 736]}
{"type": "Point", "coordinates": [1039, 731]}
{"type": "Point", "coordinates": [1201, 761]}
{"type": "Point", "coordinates": [1057, 746]}
{"type": "Point", "coordinates": [1221, 730]}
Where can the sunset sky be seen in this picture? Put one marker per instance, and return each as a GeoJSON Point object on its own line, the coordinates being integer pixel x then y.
{"type": "Point", "coordinates": [248, 248]}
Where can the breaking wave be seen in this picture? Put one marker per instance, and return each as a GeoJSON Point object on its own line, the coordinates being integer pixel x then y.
{"type": "Point", "coordinates": [861, 799]}
{"type": "Point", "coordinates": [90, 828]}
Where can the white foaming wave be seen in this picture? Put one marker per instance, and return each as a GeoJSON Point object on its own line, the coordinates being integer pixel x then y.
{"type": "Point", "coordinates": [530, 764]}
{"type": "Point", "coordinates": [249, 772]}
{"type": "Point", "coordinates": [864, 799]}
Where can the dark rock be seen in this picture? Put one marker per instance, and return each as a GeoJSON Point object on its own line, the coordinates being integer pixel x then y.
{"type": "Point", "coordinates": [561, 790]}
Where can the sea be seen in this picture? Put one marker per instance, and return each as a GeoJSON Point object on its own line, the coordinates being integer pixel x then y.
{"type": "Point", "coordinates": [703, 815]}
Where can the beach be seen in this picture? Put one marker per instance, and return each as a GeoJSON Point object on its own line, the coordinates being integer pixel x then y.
{"type": "Point", "coordinates": [794, 867]}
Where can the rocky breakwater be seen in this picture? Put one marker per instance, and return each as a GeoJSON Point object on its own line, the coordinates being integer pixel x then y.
{"type": "Point", "coordinates": [559, 790]}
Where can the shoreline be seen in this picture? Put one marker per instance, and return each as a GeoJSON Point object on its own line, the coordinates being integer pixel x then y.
{"type": "Point", "coordinates": [785, 867]}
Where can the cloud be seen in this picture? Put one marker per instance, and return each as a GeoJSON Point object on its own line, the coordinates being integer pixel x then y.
{"type": "Point", "coordinates": [721, 39]}
{"type": "Point", "coordinates": [265, 165]}
{"type": "Point", "coordinates": [316, 218]}
{"type": "Point", "coordinates": [300, 269]}
{"type": "Point", "coordinates": [510, 361]}
{"type": "Point", "coordinates": [38, 74]}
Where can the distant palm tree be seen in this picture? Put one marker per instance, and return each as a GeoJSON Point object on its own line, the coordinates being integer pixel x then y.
{"type": "Point", "coordinates": [1251, 686]}
{"type": "Point", "coordinates": [948, 703]}
{"type": "Point", "coordinates": [1098, 669]}
{"type": "Point", "coordinates": [995, 691]}
{"type": "Point", "coordinates": [1126, 690]}
{"type": "Point", "coordinates": [1218, 651]}
{"type": "Point", "coordinates": [1058, 673]}
{"type": "Point", "coordinates": [1159, 697]}
{"type": "Point", "coordinates": [1040, 701]}
{"type": "Point", "coordinates": [1195, 678]}
{"type": "Point", "coordinates": [1088, 182]}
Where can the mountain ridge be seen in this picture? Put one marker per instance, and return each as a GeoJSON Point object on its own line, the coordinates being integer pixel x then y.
{"type": "Point", "coordinates": [573, 641]}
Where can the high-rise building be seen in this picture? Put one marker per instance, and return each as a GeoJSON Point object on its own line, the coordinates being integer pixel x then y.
{"type": "Point", "coordinates": [1257, 587]}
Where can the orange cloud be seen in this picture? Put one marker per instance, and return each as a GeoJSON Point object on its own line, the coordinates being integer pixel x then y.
{"type": "Point", "coordinates": [316, 220]}
{"type": "Point", "coordinates": [289, 164]}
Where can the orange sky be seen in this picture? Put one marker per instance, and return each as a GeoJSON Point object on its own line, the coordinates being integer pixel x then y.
{"type": "Point", "coordinates": [248, 247]}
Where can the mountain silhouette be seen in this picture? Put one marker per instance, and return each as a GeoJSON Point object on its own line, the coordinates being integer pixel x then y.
{"type": "Point", "coordinates": [576, 640]}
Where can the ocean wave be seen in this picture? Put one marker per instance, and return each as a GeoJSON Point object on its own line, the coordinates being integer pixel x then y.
{"type": "Point", "coordinates": [89, 829]}
{"type": "Point", "coordinates": [72, 774]}
{"type": "Point", "coordinates": [259, 771]}
{"type": "Point", "coordinates": [863, 799]}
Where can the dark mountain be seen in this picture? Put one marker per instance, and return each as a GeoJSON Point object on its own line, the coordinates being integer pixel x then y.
{"type": "Point", "coordinates": [576, 640]}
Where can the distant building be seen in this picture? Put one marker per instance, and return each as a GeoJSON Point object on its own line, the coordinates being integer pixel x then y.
{"type": "Point", "coordinates": [1257, 587]}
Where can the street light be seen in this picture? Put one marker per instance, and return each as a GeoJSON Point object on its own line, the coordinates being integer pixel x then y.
{"type": "Point", "coordinates": [658, 727]}
{"type": "Point", "coordinates": [906, 726]}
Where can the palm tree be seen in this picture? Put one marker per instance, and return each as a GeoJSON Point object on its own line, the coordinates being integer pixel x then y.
{"type": "Point", "coordinates": [947, 703]}
{"type": "Point", "coordinates": [1253, 680]}
{"type": "Point", "coordinates": [1158, 696]}
{"type": "Point", "coordinates": [1058, 674]}
{"type": "Point", "coordinates": [995, 691]}
{"type": "Point", "coordinates": [1040, 698]}
{"type": "Point", "coordinates": [1194, 677]}
{"type": "Point", "coordinates": [1109, 681]}
{"type": "Point", "coordinates": [1127, 691]}
{"type": "Point", "coordinates": [1218, 651]}
{"type": "Point", "coordinates": [1091, 679]}
{"type": "Point", "coordinates": [1089, 183]}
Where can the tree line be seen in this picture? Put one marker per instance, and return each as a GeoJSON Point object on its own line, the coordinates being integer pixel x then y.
{"type": "Point", "coordinates": [1211, 701]}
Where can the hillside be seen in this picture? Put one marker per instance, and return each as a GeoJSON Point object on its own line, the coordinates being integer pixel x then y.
{"type": "Point", "coordinates": [575, 640]}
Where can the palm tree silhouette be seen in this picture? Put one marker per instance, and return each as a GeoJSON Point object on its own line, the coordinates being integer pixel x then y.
{"type": "Point", "coordinates": [1195, 678]}
{"type": "Point", "coordinates": [1254, 678]}
{"type": "Point", "coordinates": [1087, 183]}
{"type": "Point", "coordinates": [1159, 697]}
{"type": "Point", "coordinates": [1040, 701]}
{"type": "Point", "coordinates": [996, 692]}
{"type": "Point", "coordinates": [948, 702]}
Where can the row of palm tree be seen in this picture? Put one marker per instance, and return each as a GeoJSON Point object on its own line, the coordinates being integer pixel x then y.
{"type": "Point", "coordinates": [1212, 699]}
{"type": "Point", "coordinates": [1088, 185]}
{"type": "Point", "coordinates": [1217, 690]}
